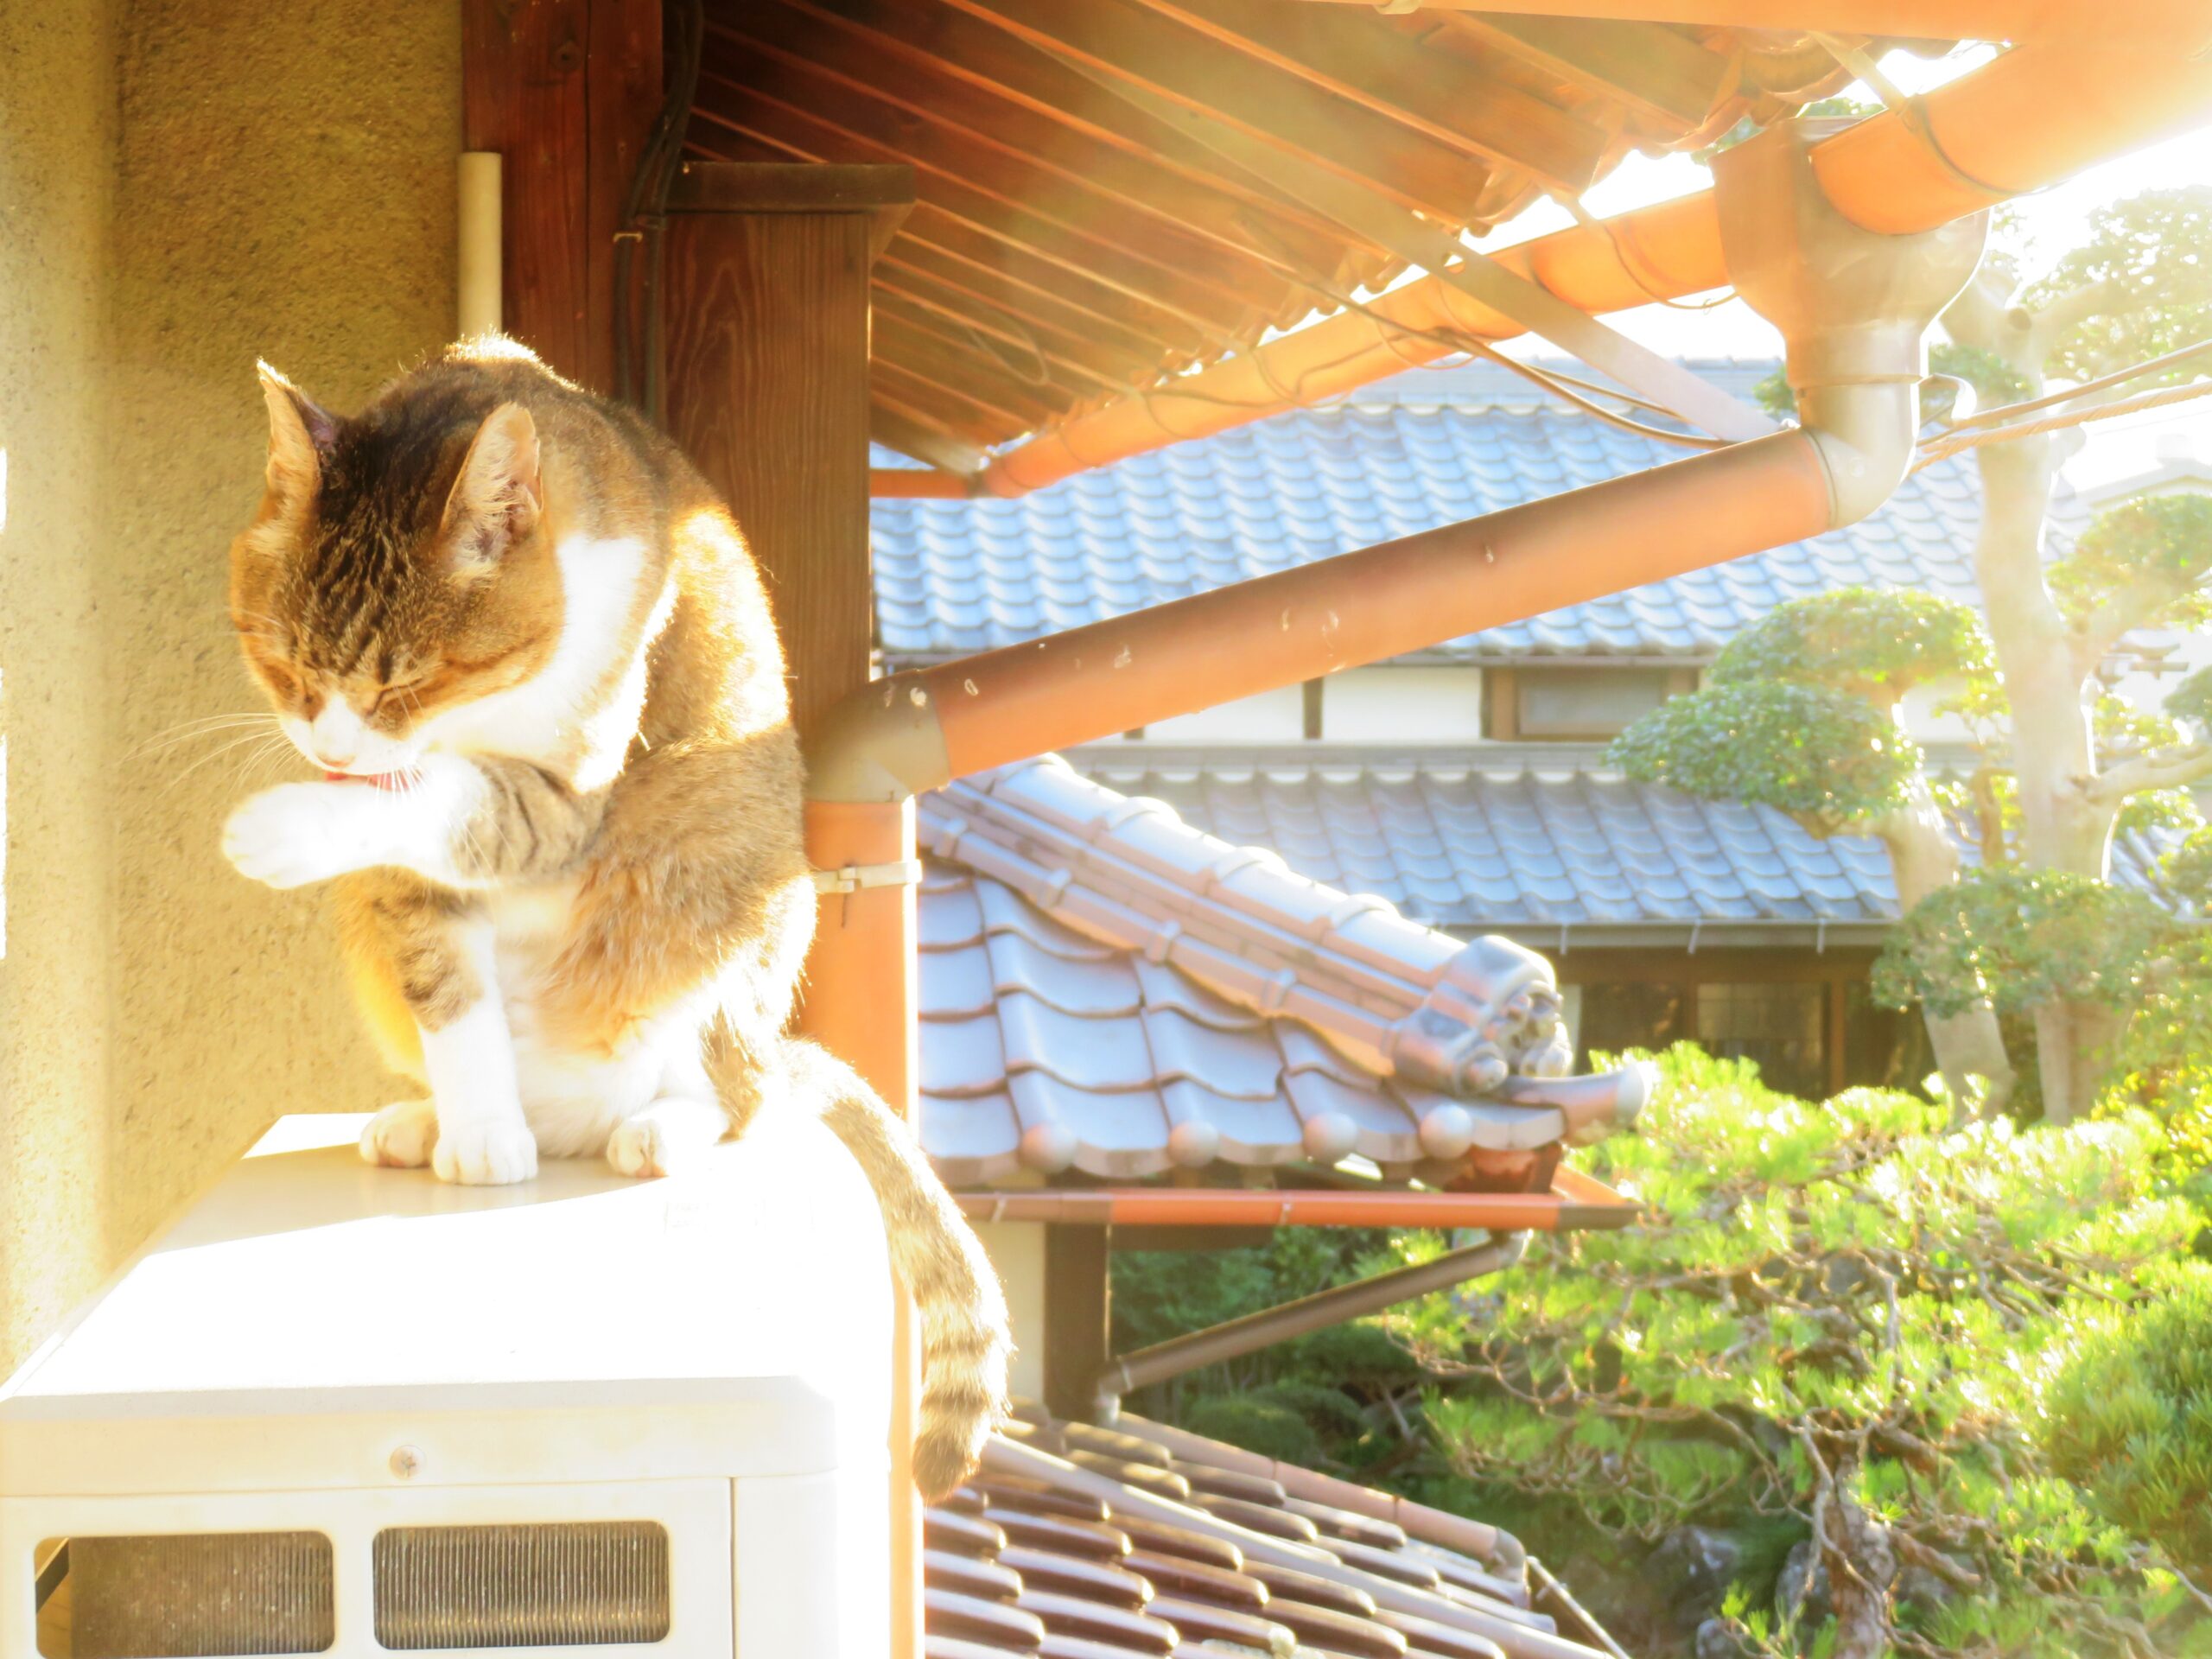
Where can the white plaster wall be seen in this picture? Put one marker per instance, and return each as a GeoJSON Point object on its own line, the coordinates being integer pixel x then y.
{"type": "Point", "coordinates": [1442, 704]}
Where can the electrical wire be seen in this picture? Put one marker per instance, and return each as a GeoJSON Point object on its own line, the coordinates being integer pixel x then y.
{"type": "Point", "coordinates": [2149, 365]}
{"type": "Point", "coordinates": [645, 218]}
{"type": "Point", "coordinates": [1942, 449]}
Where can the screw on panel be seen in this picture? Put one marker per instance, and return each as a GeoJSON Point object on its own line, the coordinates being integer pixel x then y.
{"type": "Point", "coordinates": [406, 1462]}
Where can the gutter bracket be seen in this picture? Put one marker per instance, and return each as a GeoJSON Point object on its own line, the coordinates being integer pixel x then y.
{"type": "Point", "coordinates": [1360, 209]}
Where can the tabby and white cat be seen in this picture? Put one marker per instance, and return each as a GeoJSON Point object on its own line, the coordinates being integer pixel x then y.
{"type": "Point", "coordinates": [526, 645]}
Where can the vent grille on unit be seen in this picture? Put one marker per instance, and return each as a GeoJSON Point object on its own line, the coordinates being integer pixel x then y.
{"type": "Point", "coordinates": [509, 1586]}
{"type": "Point", "coordinates": [184, 1595]}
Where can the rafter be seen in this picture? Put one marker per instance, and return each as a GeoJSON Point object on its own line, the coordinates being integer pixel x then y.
{"type": "Point", "coordinates": [1658, 73]}
{"type": "Point", "coordinates": [921, 84]}
{"type": "Point", "coordinates": [1364, 61]}
{"type": "Point", "coordinates": [1178, 63]}
{"type": "Point", "coordinates": [1209, 315]}
{"type": "Point", "coordinates": [779, 67]}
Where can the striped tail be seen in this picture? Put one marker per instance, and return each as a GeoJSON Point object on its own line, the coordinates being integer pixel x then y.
{"type": "Point", "coordinates": [966, 1344]}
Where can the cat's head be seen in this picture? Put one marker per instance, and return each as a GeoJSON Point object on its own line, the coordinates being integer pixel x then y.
{"type": "Point", "coordinates": [399, 569]}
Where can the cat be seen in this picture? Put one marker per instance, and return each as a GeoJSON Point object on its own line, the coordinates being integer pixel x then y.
{"type": "Point", "coordinates": [524, 643]}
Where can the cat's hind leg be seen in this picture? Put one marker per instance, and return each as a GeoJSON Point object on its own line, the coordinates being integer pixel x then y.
{"type": "Point", "coordinates": [401, 1135]}
{"type": "Point", "coordinates": [680, 1122]}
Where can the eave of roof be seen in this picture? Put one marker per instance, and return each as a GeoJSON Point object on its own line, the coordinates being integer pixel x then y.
{"type": "Point", "coordinates": [1081, 1542]}
{"type": "Point", "coordinates": [1066, 246]}
{"type": "Point", "coordinates": [1109, 992]}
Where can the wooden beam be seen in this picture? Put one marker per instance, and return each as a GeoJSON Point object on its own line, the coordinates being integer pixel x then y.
{"type": "Point", "coordinates": [1178, 63]}
{"type": "Point", "coordinates": [903, 292]}
{"type": "Point", "coordinates": [566, 91]}
{"type": "Point", "coordinates": [1365, 61]}
{"type": "Point", "coordinates": [849, 106]}
{"type": "Point", "coordinates": [962, 370]}
{"type": "Point", "coordinates": [965, 417]}
{"type": "Point", "coordinates": [801, 125]}
{"type": "Point", "coordinates": [1078, 1316]}
{"type": "Point", "coordinates": [1660, 74]}
{"type": "Point", "coordinates": [977, 51]}
{"type": "Point", "coordinates": [913, 434]}
{"type": "Point", "coordinates": [1060, 162]}
{"type": "Point", "coordinates": [915, 266]}
{"type": "Point", "coordinates": [964, 259]}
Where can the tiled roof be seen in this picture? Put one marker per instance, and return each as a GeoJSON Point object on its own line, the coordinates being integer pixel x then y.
{"type": "Point", "coordinates": [953, 577]}
{"type": "Point", "coordinates": [1077, 1542]}
{"type": "Point", "coordinates": [1106, 989]}
{"type": "Point", "coordinates": [1466, 843]}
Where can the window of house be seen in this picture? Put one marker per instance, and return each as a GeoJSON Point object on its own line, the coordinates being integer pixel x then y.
{"type": "Point", "coordinates": [1581, 703]}
{"type": "Point", "coordinates": [1778, 1026]}
{"type": "Point", "coordinates": [1883, 1048]}
{"type": "Point", "coordinates": [1630, 1014]}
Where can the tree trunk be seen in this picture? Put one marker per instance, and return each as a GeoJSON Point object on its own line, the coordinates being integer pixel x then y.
{"type": "Point", "coordinates": [1969, 1049]}
{"type": "Point", "coordinates": [1861, 1561]}
{"type": "Point", "coordinates": [2053, 756]}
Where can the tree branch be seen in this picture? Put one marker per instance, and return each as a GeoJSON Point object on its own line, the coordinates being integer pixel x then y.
{"type": "Point", "coordinates": [2125, 609]}
{"type": "Point", "coordinates": [2173, 770]}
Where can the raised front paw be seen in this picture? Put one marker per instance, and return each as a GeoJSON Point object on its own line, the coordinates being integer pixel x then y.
{"type": "Point", "coordinates": [401, 1136]}
{"type": "Point", "coordinates": [485, 1154]}
{"type": "Point", "coordinates": [297, 833]}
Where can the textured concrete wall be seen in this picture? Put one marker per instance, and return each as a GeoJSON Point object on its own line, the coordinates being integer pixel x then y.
{"type": "Point", "coordinates": [57, 152]}
{"type": "Point", "coordinates": [279, 185]}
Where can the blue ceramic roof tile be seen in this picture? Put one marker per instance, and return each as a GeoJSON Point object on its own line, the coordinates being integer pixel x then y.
{"type": "Point", "coordinates": [1312, 483]}
{"type": "Point", "coordinates": [1583, 847]}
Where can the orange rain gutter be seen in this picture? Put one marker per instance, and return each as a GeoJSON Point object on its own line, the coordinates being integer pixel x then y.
{"type": "Point", "coordinates": [2180, 23]}
{"type": "Point", "coordinates": [1575, 1203]}
{"type": "Point", "coordinates": [2037, 115]}
{"type": "Point", "coordinates": [917, 483]}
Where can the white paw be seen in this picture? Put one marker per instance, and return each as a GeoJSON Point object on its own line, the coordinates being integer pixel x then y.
{"type": "Point", "coordinates": [297, 833]}
{"type": "Point", "coordinates": [485, 1154]}
{"type": "Point", "coordinates": [665, 1137]}
{"type": "Point", "coordinates": [401, 1136]}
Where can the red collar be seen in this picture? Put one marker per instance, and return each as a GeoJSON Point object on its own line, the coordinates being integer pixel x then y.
{"type": "Point", "coordinates": [391, 780]}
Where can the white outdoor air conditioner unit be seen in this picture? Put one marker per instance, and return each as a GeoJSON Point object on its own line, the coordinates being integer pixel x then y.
{"type": "Point", "coordinates": [339, 1409]}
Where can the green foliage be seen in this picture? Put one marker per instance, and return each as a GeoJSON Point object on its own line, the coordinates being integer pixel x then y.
{"type": "Point", "coordinates": [2151, 255]}
{"type": "Point", "coordinates": [2128, 1418]}
{"type": "Point", "coordinates": [1825, 757]}
{"type": "Point", "coordinates": [2163, 541]}
{"type": "Point", "coordinates": [1876, 642]}
{"type": "Point", "coordinates": [2014, 939]}
{"type": "Point", "coordinates": [2191, 700]}
{"type": "Point", "coordinates": [1848, 1298]}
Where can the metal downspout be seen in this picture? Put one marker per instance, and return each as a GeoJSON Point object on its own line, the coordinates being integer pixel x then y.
{"type": "Point", "coordinates": [1339, 1305]}
{"type": "Point", "coordinates": [1853, 306]}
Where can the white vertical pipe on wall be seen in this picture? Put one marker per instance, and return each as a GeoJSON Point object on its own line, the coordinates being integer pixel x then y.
{"type": "Point", "coordinates": [479, 275]}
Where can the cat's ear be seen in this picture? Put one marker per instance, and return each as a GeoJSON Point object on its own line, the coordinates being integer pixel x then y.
{"type": "Point", "coordinates": [496, 501]}
{"type": "Point", "coordinates": [300, 437]}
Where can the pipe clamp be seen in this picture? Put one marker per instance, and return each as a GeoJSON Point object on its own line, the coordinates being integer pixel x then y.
{"type": "Point", "coordinates": [854, 878]}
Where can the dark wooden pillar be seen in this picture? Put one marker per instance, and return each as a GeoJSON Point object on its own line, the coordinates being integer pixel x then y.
{"type": "Point", "coordinates": [765, 315]}
{"type": "Point", "coordinates": [566, 91]}
{"type": "Point", "coordinates": [1078, 1316]}
{"type": "Point", "coordinates": [766, 321]}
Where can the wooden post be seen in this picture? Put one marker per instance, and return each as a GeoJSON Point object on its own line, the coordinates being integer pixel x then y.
{"type": "Point", "coordinates": [1078, 1316]}
{"type": "Point", "coordinates": [765, 312]}
{"type": "Point", "coordinates": [767, 316]}
{"type": "Point", "coordinates": [566, 91]}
